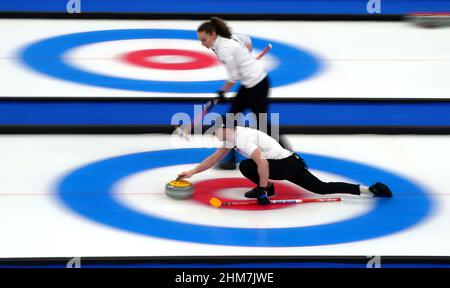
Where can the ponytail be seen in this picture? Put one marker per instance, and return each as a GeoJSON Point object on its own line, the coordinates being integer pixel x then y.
{"type": "Point", "coordinates": [221, 27]}
{"type": "Point", "coordinates": [217, 25]}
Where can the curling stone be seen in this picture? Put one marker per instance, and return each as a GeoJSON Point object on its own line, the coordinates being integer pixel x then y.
{"type": "Point", "coordinates": [179, 189]}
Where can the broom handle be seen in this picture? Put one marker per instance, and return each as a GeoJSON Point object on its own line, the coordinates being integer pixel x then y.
{"type": "Point", "coordinates": [290, 201]}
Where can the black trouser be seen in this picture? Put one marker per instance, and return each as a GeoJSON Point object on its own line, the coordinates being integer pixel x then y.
{"type": "Point", "coordinates": [294, 169]}
{"type": "Point", "coordinates": [255, 98]}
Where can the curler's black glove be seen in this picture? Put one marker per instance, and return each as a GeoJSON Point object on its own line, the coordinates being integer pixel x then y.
{"type": "Point", "coordinates": [261, 196]}
{"type": "Point", "coordinates": [221, 97]}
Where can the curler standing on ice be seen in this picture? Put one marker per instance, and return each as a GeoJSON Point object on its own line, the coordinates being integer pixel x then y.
{"type": "Point", "coordinates": [233, 51]}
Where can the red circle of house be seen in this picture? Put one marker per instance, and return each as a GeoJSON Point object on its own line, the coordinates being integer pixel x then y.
{"type": "Point", "coordinates": [148, 58]}
{"type": "Point", "coordinates": [207, 189]}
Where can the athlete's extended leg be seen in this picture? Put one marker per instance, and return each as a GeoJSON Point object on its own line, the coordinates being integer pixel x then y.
{"type": "Point", "coordinates": [307, 180]}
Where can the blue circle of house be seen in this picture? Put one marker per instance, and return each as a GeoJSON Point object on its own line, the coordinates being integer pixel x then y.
{"type": "Point", "coordinates": [88, 191]}
{"type": "Point", "coordinates": [47, 57]}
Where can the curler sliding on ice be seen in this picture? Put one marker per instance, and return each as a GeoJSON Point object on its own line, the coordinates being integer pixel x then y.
{"type": "Point", "coordinates": [268, 160]}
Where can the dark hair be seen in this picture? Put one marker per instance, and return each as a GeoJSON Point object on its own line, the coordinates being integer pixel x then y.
{"type": "Point", "coordinates": [217, 25]}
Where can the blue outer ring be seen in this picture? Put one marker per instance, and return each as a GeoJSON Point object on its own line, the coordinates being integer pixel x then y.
{"type": "Point", "coordinates": [46, 56]}
{"type": "Point", "coordinates": [388, 215]}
